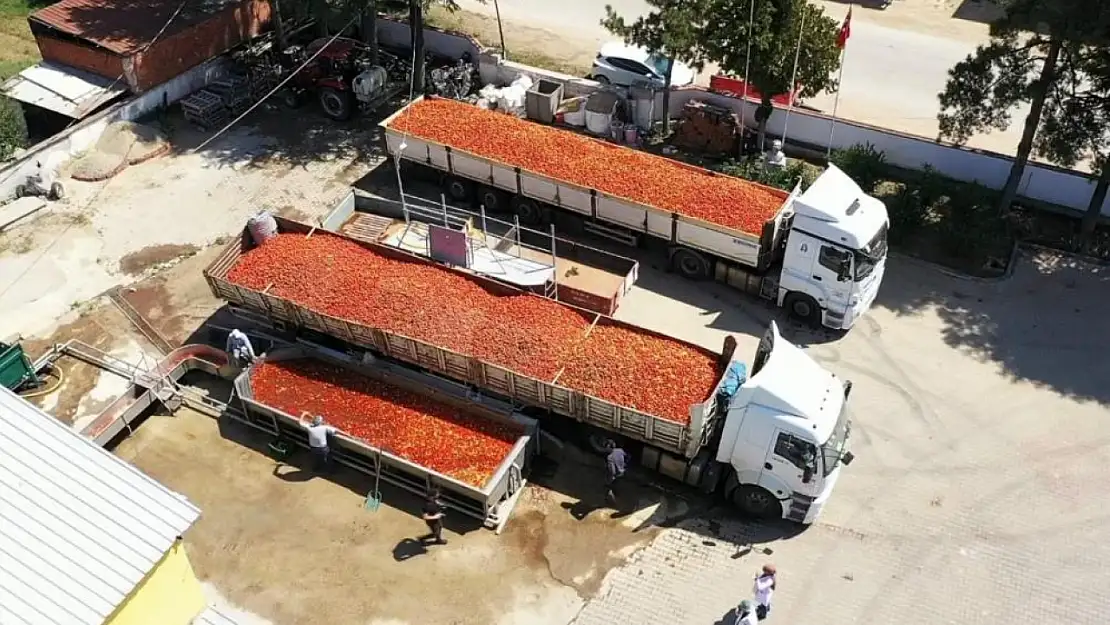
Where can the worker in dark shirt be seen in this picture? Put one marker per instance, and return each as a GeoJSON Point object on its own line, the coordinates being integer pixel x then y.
{"type": "Point", "coordinates": [433, 513]}
{"type": "Point", "coordinates": [616, 463]}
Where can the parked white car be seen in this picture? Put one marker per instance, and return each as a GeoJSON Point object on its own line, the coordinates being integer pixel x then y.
{"type": "Point", "coordinates": [619, 64]}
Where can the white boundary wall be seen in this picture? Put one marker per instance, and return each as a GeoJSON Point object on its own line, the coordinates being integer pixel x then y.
{"type": "Point", "coordinates": [82, 136]}
{"type": "Point", "coordinates": [1042, 182]}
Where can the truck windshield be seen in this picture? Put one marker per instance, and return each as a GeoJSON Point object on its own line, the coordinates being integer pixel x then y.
{"type": "Point", "coordinates": [833, 449]}
{"type": "Point", "coordinates": [871, 255]}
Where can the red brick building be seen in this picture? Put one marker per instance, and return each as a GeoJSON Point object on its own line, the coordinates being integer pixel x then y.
{"type": "Point", "coordinates": [144, 42]}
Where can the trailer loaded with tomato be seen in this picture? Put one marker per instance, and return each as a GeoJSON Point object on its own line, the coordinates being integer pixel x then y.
{"type": "Point", "coordinates": [772, 442]}
{"type": "Point", "coordinates": [820, 252]}
{"type": "Point", "coordinates": [407, 429]}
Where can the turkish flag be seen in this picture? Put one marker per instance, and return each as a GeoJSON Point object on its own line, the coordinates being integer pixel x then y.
{"type": "Point", "coordinates": [845, 30]}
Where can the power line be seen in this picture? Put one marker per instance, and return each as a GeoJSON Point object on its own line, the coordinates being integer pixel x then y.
{"type": "Point", "coordinates": [277, 88]}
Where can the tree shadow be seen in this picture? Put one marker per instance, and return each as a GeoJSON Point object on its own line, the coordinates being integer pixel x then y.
{"type": "Point", "coordinates": [982, 11]}
{"type": "Point", "coordinates": [270, 135]}
{"type": "Point", "coordinates": [1045, 324]}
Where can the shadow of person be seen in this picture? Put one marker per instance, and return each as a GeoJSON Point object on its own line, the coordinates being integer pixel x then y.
{"type": "Point", "coordinates": [579, 509]}
{"type": "Point", "coordinates": [296, 475]}
{"type": "Point", "coordinates": [729, 618]}
{"type": "Point", "coordinates": [409, 548]}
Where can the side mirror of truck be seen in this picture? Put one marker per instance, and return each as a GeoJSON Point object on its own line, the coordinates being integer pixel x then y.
{"type": "Point", "coordinates": [807, 475]}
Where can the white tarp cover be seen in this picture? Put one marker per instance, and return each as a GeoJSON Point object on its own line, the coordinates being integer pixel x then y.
{"type": "Point", "coordinates": [62, 89]}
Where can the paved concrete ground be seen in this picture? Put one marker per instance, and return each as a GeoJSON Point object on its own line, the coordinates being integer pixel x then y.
{"type": "Point", "coordinates": [979, 490]}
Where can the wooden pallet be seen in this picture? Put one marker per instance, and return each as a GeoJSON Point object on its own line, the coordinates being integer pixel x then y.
{"type": "Point", "coordinates": [365, 227]}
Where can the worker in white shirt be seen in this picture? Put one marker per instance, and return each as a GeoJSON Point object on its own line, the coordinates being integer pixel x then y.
{"type": "Point", "coordinates": [764, 589]}
{"type": "Point", "coordinates": [239, 349]}
{"type": "Point", "coordinates": [318, 433]}
{"type": "Point", "coordinates": [744, 614]}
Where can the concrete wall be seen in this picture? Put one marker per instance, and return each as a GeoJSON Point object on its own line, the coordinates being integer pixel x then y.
{"type": "Point", "coordinates": [811, 129]}
{"type": "Point", "coordinates": [188, 48]}
{"type": "Point", "coordinates": [84, 135]}
{"type": "Point", "coordinates": [169, 595]}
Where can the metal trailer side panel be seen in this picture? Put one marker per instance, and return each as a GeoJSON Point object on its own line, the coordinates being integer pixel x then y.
{"type": "Point", "coordinates": [724, 242]}
{"type": "Point", "coordinates": [628, 214]}
{"type": "Point", "coordinates": [539, 187]}
{"type": "Point", "coordinates": [339, 215]}
{"type": "Point", "coordinates": [575, 198]}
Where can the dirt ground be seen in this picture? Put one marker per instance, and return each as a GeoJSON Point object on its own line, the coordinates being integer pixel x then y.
{"type": "Point", "coordinates": [302, 550]}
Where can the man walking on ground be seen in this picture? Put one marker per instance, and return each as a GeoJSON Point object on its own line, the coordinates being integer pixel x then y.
{"type": "Point", "coordinates": [433, 513]}
{"type": "Point", "coordinates": [744, 614]}
{"type": "Point", "coordinates": [616, 463]}
{"type": "Point", "coordinates": [318, 433]}
{"type": "Point", "coordinates": [764, 589]}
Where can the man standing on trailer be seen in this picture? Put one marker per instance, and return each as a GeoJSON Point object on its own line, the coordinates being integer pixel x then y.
{"type": "Point", "coordinates": [239, 349]}
{"type": "Point", "coordinates": [616, 463]}
{"type": "Point", "coordinates": [318, 433]}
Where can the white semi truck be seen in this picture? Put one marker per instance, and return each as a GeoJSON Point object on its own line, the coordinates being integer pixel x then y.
{"type": "Point", "coordinates": [773, 442]}
{"type": "Point", "coordinates": [821, 256]}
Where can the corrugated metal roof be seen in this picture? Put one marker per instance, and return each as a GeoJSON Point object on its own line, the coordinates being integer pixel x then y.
{"type": "Point", "coordinates": [125, 26]}
{"type": "Point", "coordinates": [79, 527]}
{"type": "Point", "coordinates": [62, 89]}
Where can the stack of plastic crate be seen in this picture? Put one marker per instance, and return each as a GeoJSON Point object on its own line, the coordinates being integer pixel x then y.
{"type": "Point", "coordinates": [234, 90]}
{"type": "Point", "coordinates": [206, 109]}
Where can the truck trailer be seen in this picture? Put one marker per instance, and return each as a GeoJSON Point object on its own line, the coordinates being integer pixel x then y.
{"type": "Point", "coordinates": [820, 253]}
{"type": "Point", "coordinates": [773, 442]}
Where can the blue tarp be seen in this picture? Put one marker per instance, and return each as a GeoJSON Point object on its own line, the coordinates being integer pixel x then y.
{"type": "Point", "coordinates": [736, 375]}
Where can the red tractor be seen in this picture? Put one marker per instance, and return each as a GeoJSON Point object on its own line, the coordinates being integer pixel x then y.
{"type": "Point", "coordinates": [341, 76]}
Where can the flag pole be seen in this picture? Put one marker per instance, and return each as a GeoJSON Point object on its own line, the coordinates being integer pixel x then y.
{"type": "Point", "coordinates": [842, 38]}
{"type": "Point", "coordinates": [794, 75]}
{"type": "Point", "coordinates": [836, 104]}
{"type": "Point", "coordinates": [747, 66]}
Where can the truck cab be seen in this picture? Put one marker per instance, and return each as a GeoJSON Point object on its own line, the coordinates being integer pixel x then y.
{"type": "Point", "coordinates": [835, 252]}
{"type": "Point", "coordinates": [785, 435]}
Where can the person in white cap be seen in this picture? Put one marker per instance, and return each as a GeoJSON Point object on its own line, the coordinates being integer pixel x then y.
{"type": "Point", "coordinates": [318, 433]}
{"type": "Point", "coordinates": [239, 349]}
{"type": "Point", "coordinates": [764, 590]}
{"type": "Point", "coordinates": [744, 614]}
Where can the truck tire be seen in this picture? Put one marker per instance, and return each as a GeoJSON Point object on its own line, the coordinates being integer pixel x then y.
{"type": "Point", "coordinates": [337, 104]}
{"type": "Point", "coordinates": [493, 200]}
{"type": "Point", "coordinates": [528, 210]}
{"type": "Point", "coordinates": [291, 98]}
{"type": "Point", "coordinates": [457, 189]}
{"type": "Point", "coordinates": [803, 308]}
{"type": "Point", "coordinates": [752, 500]}
{"type": "Point", "coordinates": [690, 264]}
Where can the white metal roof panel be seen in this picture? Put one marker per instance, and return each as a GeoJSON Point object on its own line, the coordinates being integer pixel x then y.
{"type": "Point", "coordinates": [79, 527]}
{"type": "Point", "coordinates": [62, 89]}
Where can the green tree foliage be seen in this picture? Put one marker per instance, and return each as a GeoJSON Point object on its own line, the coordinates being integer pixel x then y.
{"type": "Point", "coordinates": [1035, 53]}
{"type": "Point", "coordinates": [673, 29]}
{"type": "Point", "coordinates": [773, 37]}
{"type": "Point", "coordinates": [1076, 126]}
{"type": "Point", "coordinates": [13, 128]}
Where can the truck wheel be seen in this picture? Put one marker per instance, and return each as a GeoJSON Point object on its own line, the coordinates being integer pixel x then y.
{"type": "Point", "coordinates": [757, 502]}
{"type": "Point", "coordinates": [57, 192]}
{"type": "Point", "coordinates": [528, 210]}
{"type": "Point", "coordinates": [291, 98]}
{"type": "Point", "coordinates": [690, 264]}
{"type": "Point", "coordinates": [804, 308]}
{"type": "Point", "coordinates": [492, 199]}
{"type": "Point", "coordinates": [457, 189]}
{"type": "Point", "coordinates": [336, 104]}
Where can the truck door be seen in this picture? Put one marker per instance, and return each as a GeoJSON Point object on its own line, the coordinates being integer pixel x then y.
{"type": "Point", "coordinates": [789, 460]}
{"type": "Point", "coordinates": [832, 270]}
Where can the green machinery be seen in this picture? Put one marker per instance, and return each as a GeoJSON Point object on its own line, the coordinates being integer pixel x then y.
{"type": "Point", "coordinates": [16, 370]}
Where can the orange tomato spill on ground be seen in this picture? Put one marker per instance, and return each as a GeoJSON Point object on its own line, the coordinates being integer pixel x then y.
{"type": "Point", "coordinates": [623, 172]}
